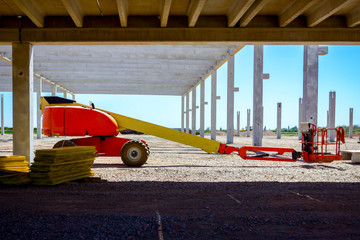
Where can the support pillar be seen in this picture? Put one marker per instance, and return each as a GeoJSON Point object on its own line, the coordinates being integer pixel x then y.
{"type": "Point", "coordinates": [310, 83]}
{"type": "Point", "coordinates": [202, 108]}
{"type": "Point", "coordinates": [332, 99]}
{"type": "Point", "coordinates": [182, 113]}
{"type": "Point", "coordinates": [278, 129]}
{"type": "Point", "coordinates": [187, 113]}
{"type": "Point", "coordinates": [73, 97]}
{"type": "Point", "coordinates": [53, 90]}
{"type": "Point", "coordinates": [213, 105]}
{"type": "Point", "coordinates": [65, 94]}
{"type": "Point", "coordinates": [258, 108]}
{"type": "Point", "coordinates": [238, 123]}
{"type": "Point", "coordinates": [230, 101]}
{"type": "Point", "coordinates": [301, 108]}
{"type": "Point", "coordinates": [2, 115]}
{"type": "Point", "coordinates": [193, 111]}
{"type": "Point", "coordinates": [248, 123]}
{"type": "Point", "coordinates": [22, 70]}
{"type": "Point", "coordinates": [38, 111]}
{"type": "Point", "coordinates": [351, 118]}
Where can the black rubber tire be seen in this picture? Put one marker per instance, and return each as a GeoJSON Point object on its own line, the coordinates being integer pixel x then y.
{"type": "Point", "coordinates": [64, 143]}
{"type": "Point", "coordinates": [134, 153]}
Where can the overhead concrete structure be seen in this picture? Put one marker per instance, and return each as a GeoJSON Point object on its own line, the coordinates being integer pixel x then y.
{"type": "Point", "coordinates": [278, 128]}
{"type": "Point", "coordinates": [332, 100]}
{"type": "Point", "coordinates": [310, 82]}
{"type": "Point", "coordinates": [351, 121]}
{"type": "Point", "coordinates": [169, 21]}
{"type": "Point", "coordinates": [258, 109]}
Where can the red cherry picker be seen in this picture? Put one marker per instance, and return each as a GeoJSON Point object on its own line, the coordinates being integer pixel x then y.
{"type": "Point", "coordinates": [64, 117]}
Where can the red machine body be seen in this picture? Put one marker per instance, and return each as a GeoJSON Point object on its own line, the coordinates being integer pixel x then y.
{"type": "Point", "coordinates": [81, 121]}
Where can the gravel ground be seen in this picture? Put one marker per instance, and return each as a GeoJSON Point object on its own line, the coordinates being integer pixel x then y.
{"type": "Point", "coordinates": [184, 193]}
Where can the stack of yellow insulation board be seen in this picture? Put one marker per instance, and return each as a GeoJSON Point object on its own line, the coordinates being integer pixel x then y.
{"type": "Point", "coordinates": [59, 165]}
{"type": "Point", "coordinates": [14, 170]}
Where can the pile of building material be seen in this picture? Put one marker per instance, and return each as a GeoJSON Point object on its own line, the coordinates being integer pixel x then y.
{"type": "Point", "coordinates": [14, 170]}
{"type": "Point", "coordinates": [59, 165]}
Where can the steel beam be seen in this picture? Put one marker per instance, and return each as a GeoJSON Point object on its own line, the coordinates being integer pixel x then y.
{"type": "Point", "coordinates": [22, 54]}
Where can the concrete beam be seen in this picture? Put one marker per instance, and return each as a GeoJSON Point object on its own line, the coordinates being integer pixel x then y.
{"type": "Point", "coordinates": [230, 100]}
{"type": "Point", "coordinates": [353, 19]}
{"type": "Point", "coordinates": [2, 115]}
{"type": "Point", "coordinates": [210, 35]}
{"type": "Point", "coordinates": [75, 11]}
{"type": "Point", "coordinates": [332, 100]}
{"type": "Point", "coordinates": [278, 128]}
{"type": "Point", "coordinates": [310, 82]}
{"type": "Point", "coordinates": [194, 10]}
{"type": "Point", "coordinates": [258, 108]}
{"type": "Point", "coordinates": [182, 113]}
{"type": "Point", "coordinates": [351, 121]}
{"type": "Point", "coordinates": [329, 8]}
{"type": "Point", "coordinates": [295, 9]}
{"type": "Point", "coordinates": [164, 12]}
{"type": "Point", "coordinates": [252, 11]}
{"type": "Point", "coordinates": [248, 123]}
{"type": "Point", "coordinates": [238, 123]}
{"type": "Point", "coordinates": [237, 11]}
{"type": "Point", "coordinates": [123, 10]}
{"type": "Point", "coordinates": [38, 110]}
{"type": "Point", "coordinates": [23, 100]}
{"type": "Point", "coordinates": [202, 108]}
{"type": "Point", "coordinates": [187, 113]}
{"type": "Point", "coordinates": [301, 117]}
{"type": "Point", "coordinates": [31, 10]}
{"type": "Point", "coordinates": [193, 111]}
{"type": "Point", "coordinates": [213, 104]}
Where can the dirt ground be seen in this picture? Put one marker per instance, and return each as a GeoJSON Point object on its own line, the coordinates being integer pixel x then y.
{"type": "Point", "coordinates": [184, 193]}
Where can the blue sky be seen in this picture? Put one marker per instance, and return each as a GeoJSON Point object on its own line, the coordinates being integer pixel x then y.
{"type": "Point", "coordinates": [338, 71]}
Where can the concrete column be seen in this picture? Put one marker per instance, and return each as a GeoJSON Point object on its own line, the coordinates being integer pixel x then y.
{"type": "Point", "coordinates": [38, 111]}
{"type": "Point", "coordinates": [182, 113]}
{"type": "Point", "coordinates": [2, 115]}
{"type": "Point", "coordinates": [22, 69]}
{"type": "Point", "coordinates": [213, 105]}
{"type": "Point", "coordinates": [351, 118]}
{"type": "Point", "coordinates": [258, 108]}
{"type": "Point", "coordinates": [202, 108]}
{"type": "Point", "coordinates": [310, 83]}
{"type": "Point", "coordinates": [238, 123]}
{"type": "Point", "coordinates": [327, 119]}
{"type": "Point", "coordinates": [53, 90]}
{"type": "Point", "coordinates": [248, 123]}
{"type": "Point", "coordinates": [278, 128]}
{"type": "Point", "coordinates": [187, 113]}
{"type": "Point", "coordinates": [193, 112]}
{"type": "Point", "coordinates": [301, 108]}
{"type": "Point", "coordinates": [230, 100]}
{"type": "Point", "coordinates": [65, 94]}
{"type": "Point", "coordinates": [73, 97]}
{"type": "Point", "coordinates": [332, 98]}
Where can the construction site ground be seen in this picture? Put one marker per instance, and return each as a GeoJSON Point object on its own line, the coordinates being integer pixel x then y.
{"type": "Point", "coordinates": [184, 193]}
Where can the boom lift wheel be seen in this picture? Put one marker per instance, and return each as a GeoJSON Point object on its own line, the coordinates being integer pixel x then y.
{"type": "Point", "coordinates": [64, 143]}
{"type": "Point", "coordinates": [134, 153]}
